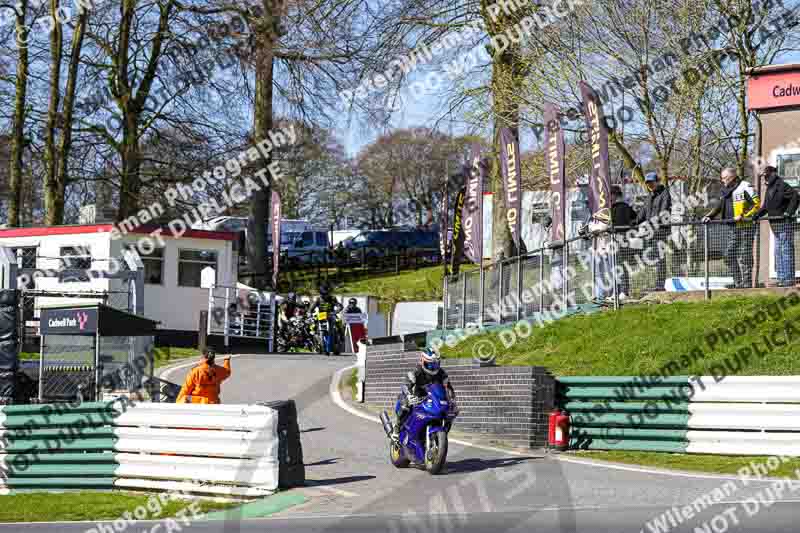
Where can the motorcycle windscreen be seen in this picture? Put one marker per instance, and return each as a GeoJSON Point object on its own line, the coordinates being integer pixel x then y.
{"type": "Point", "coordinates": [437, 404]}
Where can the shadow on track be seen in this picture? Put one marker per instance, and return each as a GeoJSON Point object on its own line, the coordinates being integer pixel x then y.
{"type": "Point", "coordinates": [479, 465]}
{"type": "Point", "coordinates": [336, 480]}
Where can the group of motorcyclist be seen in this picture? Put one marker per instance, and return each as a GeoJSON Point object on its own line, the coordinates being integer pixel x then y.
{"type": "Point", "coordinates": [304, 325]}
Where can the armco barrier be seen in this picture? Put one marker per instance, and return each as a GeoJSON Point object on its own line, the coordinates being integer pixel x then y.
{"type": "Point", "coordinates": [504, 403]}
{"type": "Point", "coordinates": [207, 449]}
{"type": "Point", "coordinates": [739, 415]}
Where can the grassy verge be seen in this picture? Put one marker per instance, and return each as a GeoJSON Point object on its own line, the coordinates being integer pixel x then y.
{"type": "Point", "coordinates": [166, 355]}
{"type": "Point", "coordinates": [69, 506]}
{"type": "Point", "coordinates": [352, 383]}
{"type": "Point", "coordinates": [423, 284]}
{"type": "Point", "coordinates": [716, 464]}
{"type": "Point", "coordinates": [642, 339]}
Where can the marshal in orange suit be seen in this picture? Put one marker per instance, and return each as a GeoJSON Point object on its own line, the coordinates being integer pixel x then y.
{"type": "Point", "coordinates": [202, 385]}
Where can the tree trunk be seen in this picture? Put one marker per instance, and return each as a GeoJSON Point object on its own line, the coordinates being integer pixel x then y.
{"type": "Point", "coordinates": [51, 156]}
{"type": "Point", "coordinates": [505, 80]}
{"type": "Point", "coordinates": [130, 184]}
{"type": "Point", "coordinates": [744, 116]}
{"type": "Point", "coordinates": [57, 214]}
{"type": "Point", "coordinates": [20, 102]}
{"type": "Point", "coordinates": [262, 124]}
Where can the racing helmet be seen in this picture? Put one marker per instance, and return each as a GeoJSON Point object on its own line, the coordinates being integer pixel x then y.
{"type": "Point", "coordinates": [291, 298]}
{"type": "Point", "coordinates": [430, 361]}
{"type": "Point", "coordinates": [352, 302]}
{"type": "Point", "coordinates": [324, 289]}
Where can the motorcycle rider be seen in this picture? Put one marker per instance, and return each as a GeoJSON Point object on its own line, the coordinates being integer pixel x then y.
{"type": "Point", "coordinates": [429, 370]}
{"type": "Point", "coordinates": [327, 303]}
{"type": "Point", "coordinates": [286, 312]}
{"type": "Point", "coordinates": [288, 306]}
{"type": "Point", "coordinates": [352, 306]}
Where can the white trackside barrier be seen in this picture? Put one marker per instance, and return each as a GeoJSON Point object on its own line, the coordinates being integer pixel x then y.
{"type": "Point", "coordinates": [212, 449]}
{"type": "Point", "coordinates": [759, 389]}
{"type": "Point", "coordinates": [745, 415]}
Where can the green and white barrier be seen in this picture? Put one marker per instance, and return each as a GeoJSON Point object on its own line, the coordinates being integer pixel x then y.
{"type": "Point", "coordinates": [210, 449]}
{"type": "Point", "coordinates": [737, 415]}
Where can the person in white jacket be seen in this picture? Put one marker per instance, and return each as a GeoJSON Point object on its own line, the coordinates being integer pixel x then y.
{"type": "Point", "coordinates": [605, 263]}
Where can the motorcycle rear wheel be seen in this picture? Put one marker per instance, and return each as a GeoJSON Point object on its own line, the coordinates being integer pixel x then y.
{"type": "Point", "coordinates": [396, 455]}
{"type": "Point", "coordinates": [436, 456]}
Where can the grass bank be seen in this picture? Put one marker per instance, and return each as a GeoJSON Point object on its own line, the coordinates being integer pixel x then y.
{"type": "Point", "coordinates": [642, 339]}
{"type": "Point", "coordinates": [712, 464]}
{"type": "Point", "coordinates": [89, 505]}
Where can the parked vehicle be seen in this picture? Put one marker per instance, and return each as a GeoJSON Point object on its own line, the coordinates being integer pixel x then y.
{"type": "Point", "coordinates": [423, 435]}
{"type": "Point", "coordinates": [311, 246]}
{"type": "Point", "coordinates": [379, 243]}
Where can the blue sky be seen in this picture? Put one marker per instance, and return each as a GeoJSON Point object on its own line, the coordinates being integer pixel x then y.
{"type": "Point", "coordinates": [424, 111]}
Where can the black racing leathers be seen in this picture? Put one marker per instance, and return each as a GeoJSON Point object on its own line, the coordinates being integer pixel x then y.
{"type": "Point", "coordinates": [415, 389]}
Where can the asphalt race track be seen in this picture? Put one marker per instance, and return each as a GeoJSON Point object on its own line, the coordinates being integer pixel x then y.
{"type": "Point", "coordinates": [352, 487]}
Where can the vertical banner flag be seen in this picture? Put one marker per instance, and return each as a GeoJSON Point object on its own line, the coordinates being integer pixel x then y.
{"type": "Point", "coordinates": [457, 246]}
{"type": "Point", "coordinates": [444, 223]}
{"type": "Point", "coordinates": [556, 170]}
{"type": "Point", "coordinates": [600, 178]}
{"type": "Point", "coordinates": [473, 208]}
{"type": "Point", "coordinates": [276, 237]}
{"type": "Point", "coordinates": [512, 178]}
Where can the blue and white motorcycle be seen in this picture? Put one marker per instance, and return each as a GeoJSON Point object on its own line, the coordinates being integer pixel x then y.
{"type": "Point", "coordinates": [423, 434]}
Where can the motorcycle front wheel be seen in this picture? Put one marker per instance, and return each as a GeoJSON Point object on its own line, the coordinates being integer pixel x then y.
{"type": "Point", "coordinates": [436, 455]}
{"type": "Point", "coordinates": [396, 455]}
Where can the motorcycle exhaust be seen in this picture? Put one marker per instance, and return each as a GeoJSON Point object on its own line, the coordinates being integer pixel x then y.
{"type": "Point", "coordinates": [388, 427]}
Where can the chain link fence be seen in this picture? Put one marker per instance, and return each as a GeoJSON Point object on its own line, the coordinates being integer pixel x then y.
{"type": "Point", "coordinates": [625, 265]}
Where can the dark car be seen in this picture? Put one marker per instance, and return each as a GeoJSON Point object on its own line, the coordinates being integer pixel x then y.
{"type": "Point", "coordinates": [380, 243]}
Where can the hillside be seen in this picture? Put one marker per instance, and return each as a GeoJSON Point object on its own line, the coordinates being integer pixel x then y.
{"type": "Point", "coordinates": [642, 339]}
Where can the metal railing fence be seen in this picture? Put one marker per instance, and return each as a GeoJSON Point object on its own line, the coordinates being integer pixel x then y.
{"type": "Point", "coordinates": [625, 264]}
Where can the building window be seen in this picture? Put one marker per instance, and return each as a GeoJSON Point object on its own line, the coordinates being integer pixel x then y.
{"type": "Point", "coordinates": [75, 258]}
{"type": "Point", "coordinates": [191, 263]}
{"type": "Point", "coordinates": [789, 166]}
{"type": "Point", "coordinates": [153, 265]}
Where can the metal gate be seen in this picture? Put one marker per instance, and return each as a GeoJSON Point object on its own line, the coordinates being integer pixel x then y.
{"type": "Point", "coordinates": [241, 312]}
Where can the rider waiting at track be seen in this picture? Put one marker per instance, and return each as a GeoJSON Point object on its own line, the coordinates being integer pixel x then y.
{"type": "Point", "coordinates": [429, 370]}
{"type": "Point", "coordinates": [352, 306]}
{"type": "Point", "coordinates": [326, 301]}
{"type": "Point", "coordinates": [288, 307]}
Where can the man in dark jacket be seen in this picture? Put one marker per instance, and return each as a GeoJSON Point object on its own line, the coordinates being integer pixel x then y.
{"type": "Point", "coordinates": [623, 217]}
{"type": "Point", "coordinates": [781, 200]}
{"type": "Point", "coordinates": [657, 205]}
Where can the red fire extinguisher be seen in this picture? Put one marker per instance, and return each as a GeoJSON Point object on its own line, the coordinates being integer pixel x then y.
{"type": "Point", "coordinates": [558, 430]}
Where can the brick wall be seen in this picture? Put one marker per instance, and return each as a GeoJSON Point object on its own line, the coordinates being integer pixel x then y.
{"type": "Point", "coordinates": [508, 403]}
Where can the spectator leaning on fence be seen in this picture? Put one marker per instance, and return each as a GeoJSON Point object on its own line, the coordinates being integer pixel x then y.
{"type": "Point", "coordinates": [203, 383]}
{"type": "Point", "coordinates": [739, 202]}
{"type": "Point", "coordinates": [657, 203]}
{"type": "Point", "coordinates": [781, 200]}
{"type": "Point", "coordinates": [622, 216]}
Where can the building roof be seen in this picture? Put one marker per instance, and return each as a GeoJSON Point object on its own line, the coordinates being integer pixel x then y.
{"type": "Point", "coordinates": [41, 231]}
